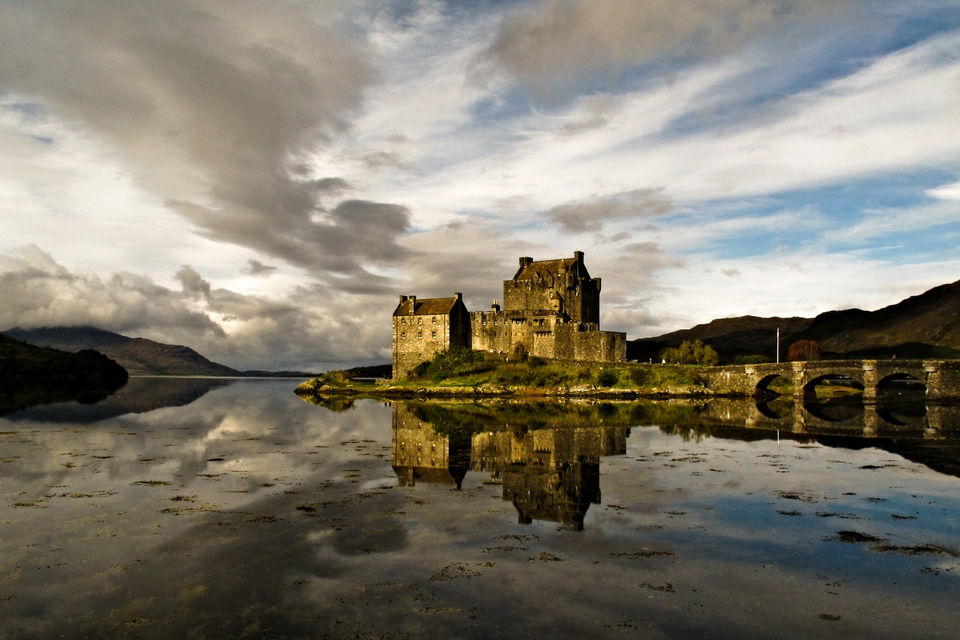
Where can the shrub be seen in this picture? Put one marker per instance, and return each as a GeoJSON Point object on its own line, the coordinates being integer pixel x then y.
{"type": "Point", "coordinates": [753, 359]}
{"type": "Point", "coordinates": [804, 350]}
{"type": "Point", "coordinates": [607, 378]}
{"type": "Point", "coordinates": [691, 353]}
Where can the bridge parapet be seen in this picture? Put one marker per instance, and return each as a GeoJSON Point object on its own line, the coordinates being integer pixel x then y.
{"type": "Point", "coordinates": [941, 377]}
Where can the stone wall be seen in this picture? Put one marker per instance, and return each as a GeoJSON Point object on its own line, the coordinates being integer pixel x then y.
{"type": "Point", "coordinates": [546, 337]}
{"type": "Point", "coordinates": [571, 293]}
{"type": "Point", "coordinates": [941, 378]}
{"type": "Point", "coordinates": [585, 342]}
{"type": "Point", "coordinates": [418, 336]}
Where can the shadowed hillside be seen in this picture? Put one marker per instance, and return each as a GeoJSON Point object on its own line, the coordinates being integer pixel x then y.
{"type": "Point", "coordinates": [138, 356]}
{"type": "Point", "coordinates": [922, 326]}
{"type": "Point", "coordinates": [31, 375]}
{"type": "Point", "coordinates": [927, 325]}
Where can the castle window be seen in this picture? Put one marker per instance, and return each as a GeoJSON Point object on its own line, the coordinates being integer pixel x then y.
{"type": "Point", "coordinates": [403, 334]}
{"type": "Point", "coordinates": [434, 319]}
{"type": "Point", "coordinates": [419, 320]}
{"type": "Point", "coordinates": [434, 334]}
{"type": "Point", "coordinates": [419, 334]}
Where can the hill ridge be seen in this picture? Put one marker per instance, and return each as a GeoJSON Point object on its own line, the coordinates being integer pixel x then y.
{"type": "Point", "coordinates": [926, 325]}
{"type": "Point", "coordinates": [139, 356]}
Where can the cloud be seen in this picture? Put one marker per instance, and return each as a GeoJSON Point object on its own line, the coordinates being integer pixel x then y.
{"type": "Point", "coordinates": [217, 107]}
{"type": "Point", "coordinates": [193, 283]}
{"type": "Point", "coordinates": [590, 215]}
{"type": "Point", "coordinates": [304, 329]}
{"type": "Point", "coordinates": [257, 268]}
{"type": "Point", "coordinates": [946, 192]}
{"type": "Point", "coordinates": [554, 39]}
{"type": "Point", "coordinates": [40, 292]}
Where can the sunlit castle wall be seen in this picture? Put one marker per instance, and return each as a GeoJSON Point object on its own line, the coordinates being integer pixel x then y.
{"type": "Point", "coordinates": [423, 327]}
{"type": "Point", "coordinates": [561, 286]}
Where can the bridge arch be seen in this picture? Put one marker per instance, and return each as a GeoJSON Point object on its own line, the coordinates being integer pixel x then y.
{"type": "Point", "coordinates": [831, 379]}
{"type": "Point", "coordinates": [899, 383]}
{"type": "Point", "coordinates": [772, 380]}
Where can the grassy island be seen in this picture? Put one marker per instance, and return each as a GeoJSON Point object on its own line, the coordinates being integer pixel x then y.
{"type": "Point", "coordinates": [461, 371]}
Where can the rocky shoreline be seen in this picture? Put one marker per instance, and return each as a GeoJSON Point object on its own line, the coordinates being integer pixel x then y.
{"type": "Point", "coordinates": [317, 388]}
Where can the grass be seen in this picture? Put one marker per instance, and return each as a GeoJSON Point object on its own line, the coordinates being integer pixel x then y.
{"type": "Point", "coordinates": [464, 368]}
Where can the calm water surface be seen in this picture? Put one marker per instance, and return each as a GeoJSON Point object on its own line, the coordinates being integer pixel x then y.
{"type": "Point", "coordinates": [202, 509]}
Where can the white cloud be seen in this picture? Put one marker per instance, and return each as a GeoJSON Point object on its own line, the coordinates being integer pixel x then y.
{"type": "Point", "coordinates": [946, 192]}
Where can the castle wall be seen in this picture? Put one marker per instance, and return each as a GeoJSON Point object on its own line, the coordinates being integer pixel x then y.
{"type": "Point", "coordinates": [567, 294]}
{"type": "Point", "coordinates": [491, 331]}
{"type": "Point", "coordinates": [417, 338]}
{"type": "Point", "coordinates": [587, 343]}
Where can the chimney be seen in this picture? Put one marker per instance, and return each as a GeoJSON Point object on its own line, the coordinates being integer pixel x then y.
{"type": "Point", "coordinates": [496, 306]}
{"type": "Point", "coordinates": [458, 295]}
{"type": "Point", "coordinates": [403, 299]}
{"type": "Point", "coordinates": [413, 307]}
{"type": "Point", "coordinates": [578, 255]}
{"type": "Point", "coordinates": [525, 261]}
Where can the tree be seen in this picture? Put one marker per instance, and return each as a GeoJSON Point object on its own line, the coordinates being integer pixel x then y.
{"type": "Point", "coordinates": [691, 353]}
{"type": "Point", "coordinates": [804, 350]}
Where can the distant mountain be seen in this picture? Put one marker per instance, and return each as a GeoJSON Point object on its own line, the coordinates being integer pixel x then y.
{"type": "Point", "coordinates": [922, 326]}
{"type": "Point", "coordinates": [138, 356]}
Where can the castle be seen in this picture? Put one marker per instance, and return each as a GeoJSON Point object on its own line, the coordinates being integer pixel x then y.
{"type": "Point", "coordinates": [551, 309]}
{"type": "Point", "coordinates": [548, 473]}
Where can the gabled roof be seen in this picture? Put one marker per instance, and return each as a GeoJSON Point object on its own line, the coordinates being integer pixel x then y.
{"type": "Point", "coordinates": [426, 306]}
{"type": "Point", "coordinates": [550, 268]}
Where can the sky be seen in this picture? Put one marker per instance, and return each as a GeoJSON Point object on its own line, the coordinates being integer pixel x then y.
{"type": "Point", "coordinates": [261, 179]}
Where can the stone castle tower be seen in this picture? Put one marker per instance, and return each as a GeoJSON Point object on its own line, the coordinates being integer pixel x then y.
{"type": "Point", "coordinates": [551, 309]}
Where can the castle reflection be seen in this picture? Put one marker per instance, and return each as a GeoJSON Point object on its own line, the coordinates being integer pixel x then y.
{"type": "Point", "coordinates": [549, 466]}
{"type": "Point", "coordinates": [546, 455]}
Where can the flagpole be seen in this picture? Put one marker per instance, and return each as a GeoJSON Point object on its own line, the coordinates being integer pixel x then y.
{"type": "Point", "coordinates": [778, 345]}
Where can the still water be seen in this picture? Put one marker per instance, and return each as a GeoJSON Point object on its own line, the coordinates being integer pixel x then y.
{"type": "Point", "coordinates": [206, 509]}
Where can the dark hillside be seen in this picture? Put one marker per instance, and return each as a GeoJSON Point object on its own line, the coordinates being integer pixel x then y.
{"type": "Point", "coordinates": [922, 326]}
{"type": "Point", "coordinates": [32, 375]}
{"type": "Point", "coordinates": [745, 335]}
{"type": "Point", "coordinates": [931, 319]}
{"type": "Point", "coordinates": [138, 356]}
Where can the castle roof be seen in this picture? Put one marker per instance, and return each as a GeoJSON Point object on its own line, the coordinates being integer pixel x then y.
{"type": "Point", "coordinates": [535, 270]}
{"type": "Point", "coordinates": [413, 306]}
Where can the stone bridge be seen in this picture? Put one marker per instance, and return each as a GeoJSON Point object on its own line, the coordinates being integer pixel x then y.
{"type": "Point", "coordinates": [936, 422]}
{"type": "Point", "coordinates": [941, 378]}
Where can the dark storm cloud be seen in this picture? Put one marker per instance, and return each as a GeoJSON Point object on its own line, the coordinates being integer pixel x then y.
{"type": "Point", "coordinates": [590, 215]}
{"type": "Point", "coordinates": [556, 38]}
{"type": "Point", "coordinates": [333, 244]}
{"type": "Point", "coordinates": [216, 105]}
